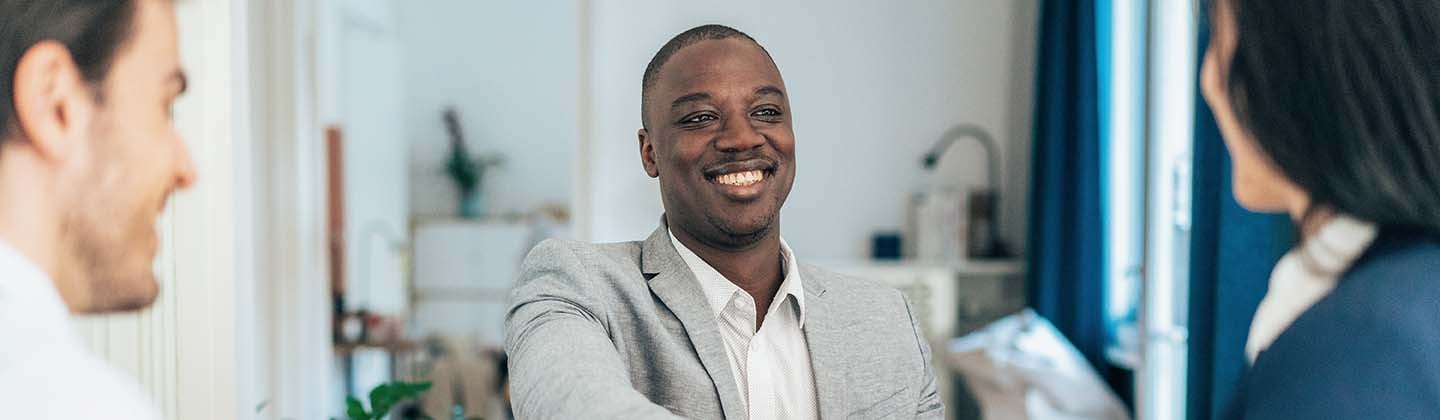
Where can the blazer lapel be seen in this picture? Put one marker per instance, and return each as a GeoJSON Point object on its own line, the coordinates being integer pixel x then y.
{"type": "Point", "coordinates": [825, 335]}
{"type": "Point", "coordinates": [673, 282]}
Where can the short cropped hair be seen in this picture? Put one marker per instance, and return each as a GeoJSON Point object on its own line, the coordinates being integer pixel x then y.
{"type": "Point", "coordinates": [711, 32]}
{"type": "Point", "coordinates": [93, 30]}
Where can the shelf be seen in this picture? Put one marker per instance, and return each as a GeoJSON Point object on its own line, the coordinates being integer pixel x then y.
{"type": "Point", "coordinates": [460, 293]}
{"type": "Point", "coordinates": [394, 347]}
{"type": "Point", "coordinates": [506, 219]}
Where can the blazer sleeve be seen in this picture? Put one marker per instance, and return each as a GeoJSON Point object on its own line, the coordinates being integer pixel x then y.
{"type": "Point", "coordinates": [562, 362]}
{"type": "Point", "coordinates": [931, 406]}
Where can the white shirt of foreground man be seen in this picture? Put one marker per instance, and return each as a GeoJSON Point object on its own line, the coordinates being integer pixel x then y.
{"type": "Point", "coordinates": [45, 371]}
{"type": "Point", "coordinates": [772, 365]}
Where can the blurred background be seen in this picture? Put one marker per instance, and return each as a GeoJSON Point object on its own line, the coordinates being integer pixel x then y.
{"type": "Point", "coordinates": [373, 172]}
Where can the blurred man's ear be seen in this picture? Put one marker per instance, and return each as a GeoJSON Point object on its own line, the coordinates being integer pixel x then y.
{"type": "Point", "coordinates": [52, 100]}
{"type": "Point", "coordinates": [647, 153]}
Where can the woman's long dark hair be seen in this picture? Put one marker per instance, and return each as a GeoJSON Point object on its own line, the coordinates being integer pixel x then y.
{"type": "Point", "coordinates": [1344, 96]}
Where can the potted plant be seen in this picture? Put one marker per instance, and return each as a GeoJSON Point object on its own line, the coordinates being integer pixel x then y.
{"type": "Point", "coordinates": [384, 397]}
{"type": "Point", "coordinates": [467, 171]}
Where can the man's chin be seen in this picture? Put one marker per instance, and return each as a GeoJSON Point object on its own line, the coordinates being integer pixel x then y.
{"type": "Point", "coordinates": [141, 302]}
{"type": "Point", "coordinates": [743, 231]}
{"type": "Point", "coordinates": [125, 295]}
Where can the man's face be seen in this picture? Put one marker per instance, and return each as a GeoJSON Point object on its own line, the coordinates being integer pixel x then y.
{"type": "Point", "coordinates": [132, 161]}
{"type": "Point", "coordinates": [719, 139]}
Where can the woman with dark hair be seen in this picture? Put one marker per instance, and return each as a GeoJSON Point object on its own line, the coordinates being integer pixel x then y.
{"type": "Point", "coordinates": [1331, 112]}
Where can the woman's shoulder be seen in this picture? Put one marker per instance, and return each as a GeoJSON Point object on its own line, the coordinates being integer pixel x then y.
{"type": "Point", "coordinates": [1399, 270]}
{"type": "Point", "coordinates": [1370, 349]}
{"type": "Point", "coordinates": [1394, 250]}
{"type": "Point", "coordinates": [1394, 290]}
{"type": "Point", "coordinates": [1388, 302]}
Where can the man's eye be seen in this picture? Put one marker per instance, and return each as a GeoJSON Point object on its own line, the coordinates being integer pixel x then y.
{"type": "Point", "coordinates": [767, 112]}
{"type": "Point", "coordinates": [698, 119]}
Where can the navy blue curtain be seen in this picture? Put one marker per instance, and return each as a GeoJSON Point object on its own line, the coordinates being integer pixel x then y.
{"type": "Point", "coordinates": [1232, 254]}
{"type": "Point", "coordinates": [1066, 275]}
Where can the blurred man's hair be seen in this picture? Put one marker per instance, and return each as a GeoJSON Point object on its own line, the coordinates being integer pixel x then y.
{"type": "Point", "coordinates": [93, 30]}
{"type": "Point", "coordinates": [679, 42]}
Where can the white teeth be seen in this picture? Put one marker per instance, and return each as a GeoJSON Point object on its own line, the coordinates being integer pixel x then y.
{"type": "Point", "coordinates": [741, 179]}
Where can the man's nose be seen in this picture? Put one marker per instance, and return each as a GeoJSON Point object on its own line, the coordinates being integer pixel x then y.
{"type": "Point", "coordinates": [185, 173]}
{"type": "Point", "coordinates": [738, 136]}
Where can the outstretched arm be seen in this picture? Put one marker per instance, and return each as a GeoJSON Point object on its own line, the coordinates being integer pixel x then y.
{"type": "Point", "coordinates": [562, 362]}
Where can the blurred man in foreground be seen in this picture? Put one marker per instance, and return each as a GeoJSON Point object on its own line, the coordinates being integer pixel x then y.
{"type": "Point", "coordinates": [88, 157]}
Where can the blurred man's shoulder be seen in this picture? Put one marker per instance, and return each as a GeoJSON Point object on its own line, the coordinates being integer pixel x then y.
{"type": "Point", "coordinates": [70, 383]}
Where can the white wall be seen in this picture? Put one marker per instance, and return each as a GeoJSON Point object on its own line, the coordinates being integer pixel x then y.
{"type": "Point", "coordinates": [510, 68]}
{"type": "Point", "coordinates": [291, 309]}
{"type": "Point", "coordinates": [371, 105]}
{"type": "Point", "coordinates": [872, 85]}
{"type": "Point", "coordinates": [385, 70]}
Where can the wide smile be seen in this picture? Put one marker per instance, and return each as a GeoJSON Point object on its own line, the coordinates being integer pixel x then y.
{"type": "Point", "coordinates": [740, 179]}
{"type": "Point", "coordinates": [741, 182]}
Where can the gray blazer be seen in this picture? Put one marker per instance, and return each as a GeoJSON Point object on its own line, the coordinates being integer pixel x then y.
{"type": "Point", "coordinates": [623, 331]}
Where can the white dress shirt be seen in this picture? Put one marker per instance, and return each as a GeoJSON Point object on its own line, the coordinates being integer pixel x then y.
{"type": "Point", "coordinates": [771, 366]}
{"type": "Point", "coordinates": [45, 371]}
{"type": "Point", "coordinates": [1305, 275]}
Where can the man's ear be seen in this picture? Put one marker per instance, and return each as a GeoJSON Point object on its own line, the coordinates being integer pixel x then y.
{"type": "Point", "coordinates": [52, 100]}
{"type": "Point", "coordinates": [647, 153]}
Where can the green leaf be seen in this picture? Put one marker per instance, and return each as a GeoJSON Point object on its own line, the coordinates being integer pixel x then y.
{"type": "Point", "coordinates": [381, 398]}
{"type": "Point", "coordinates": [355, 410]}
{"type": "Point", "coordinates": [384, 397]}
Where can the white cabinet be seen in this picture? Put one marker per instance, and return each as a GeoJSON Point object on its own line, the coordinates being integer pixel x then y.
{"type": "Point", "coordinates": [463, 271]}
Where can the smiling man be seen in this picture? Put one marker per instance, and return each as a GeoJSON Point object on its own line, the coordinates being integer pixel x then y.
{"type": "Point", "coordinates": [712, 316]}
{"type": "Point", "coordinates": [88, 157]}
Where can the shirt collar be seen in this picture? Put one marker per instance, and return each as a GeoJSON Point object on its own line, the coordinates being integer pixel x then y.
{"type": "Point", "coordinates": [26, 288]}
{"type": "Point", "coordinates": [1336, 245]}
{"type": "Point", "coordinates": [21, 277]}
{"type": "Point", "coordinates": [1305, 275]}
{"type": "Point", "coordinates": [719, 290]}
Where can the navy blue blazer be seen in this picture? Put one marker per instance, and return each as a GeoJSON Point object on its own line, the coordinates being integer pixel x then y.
{"type": "Point", "coordinates": [1368, 350]}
